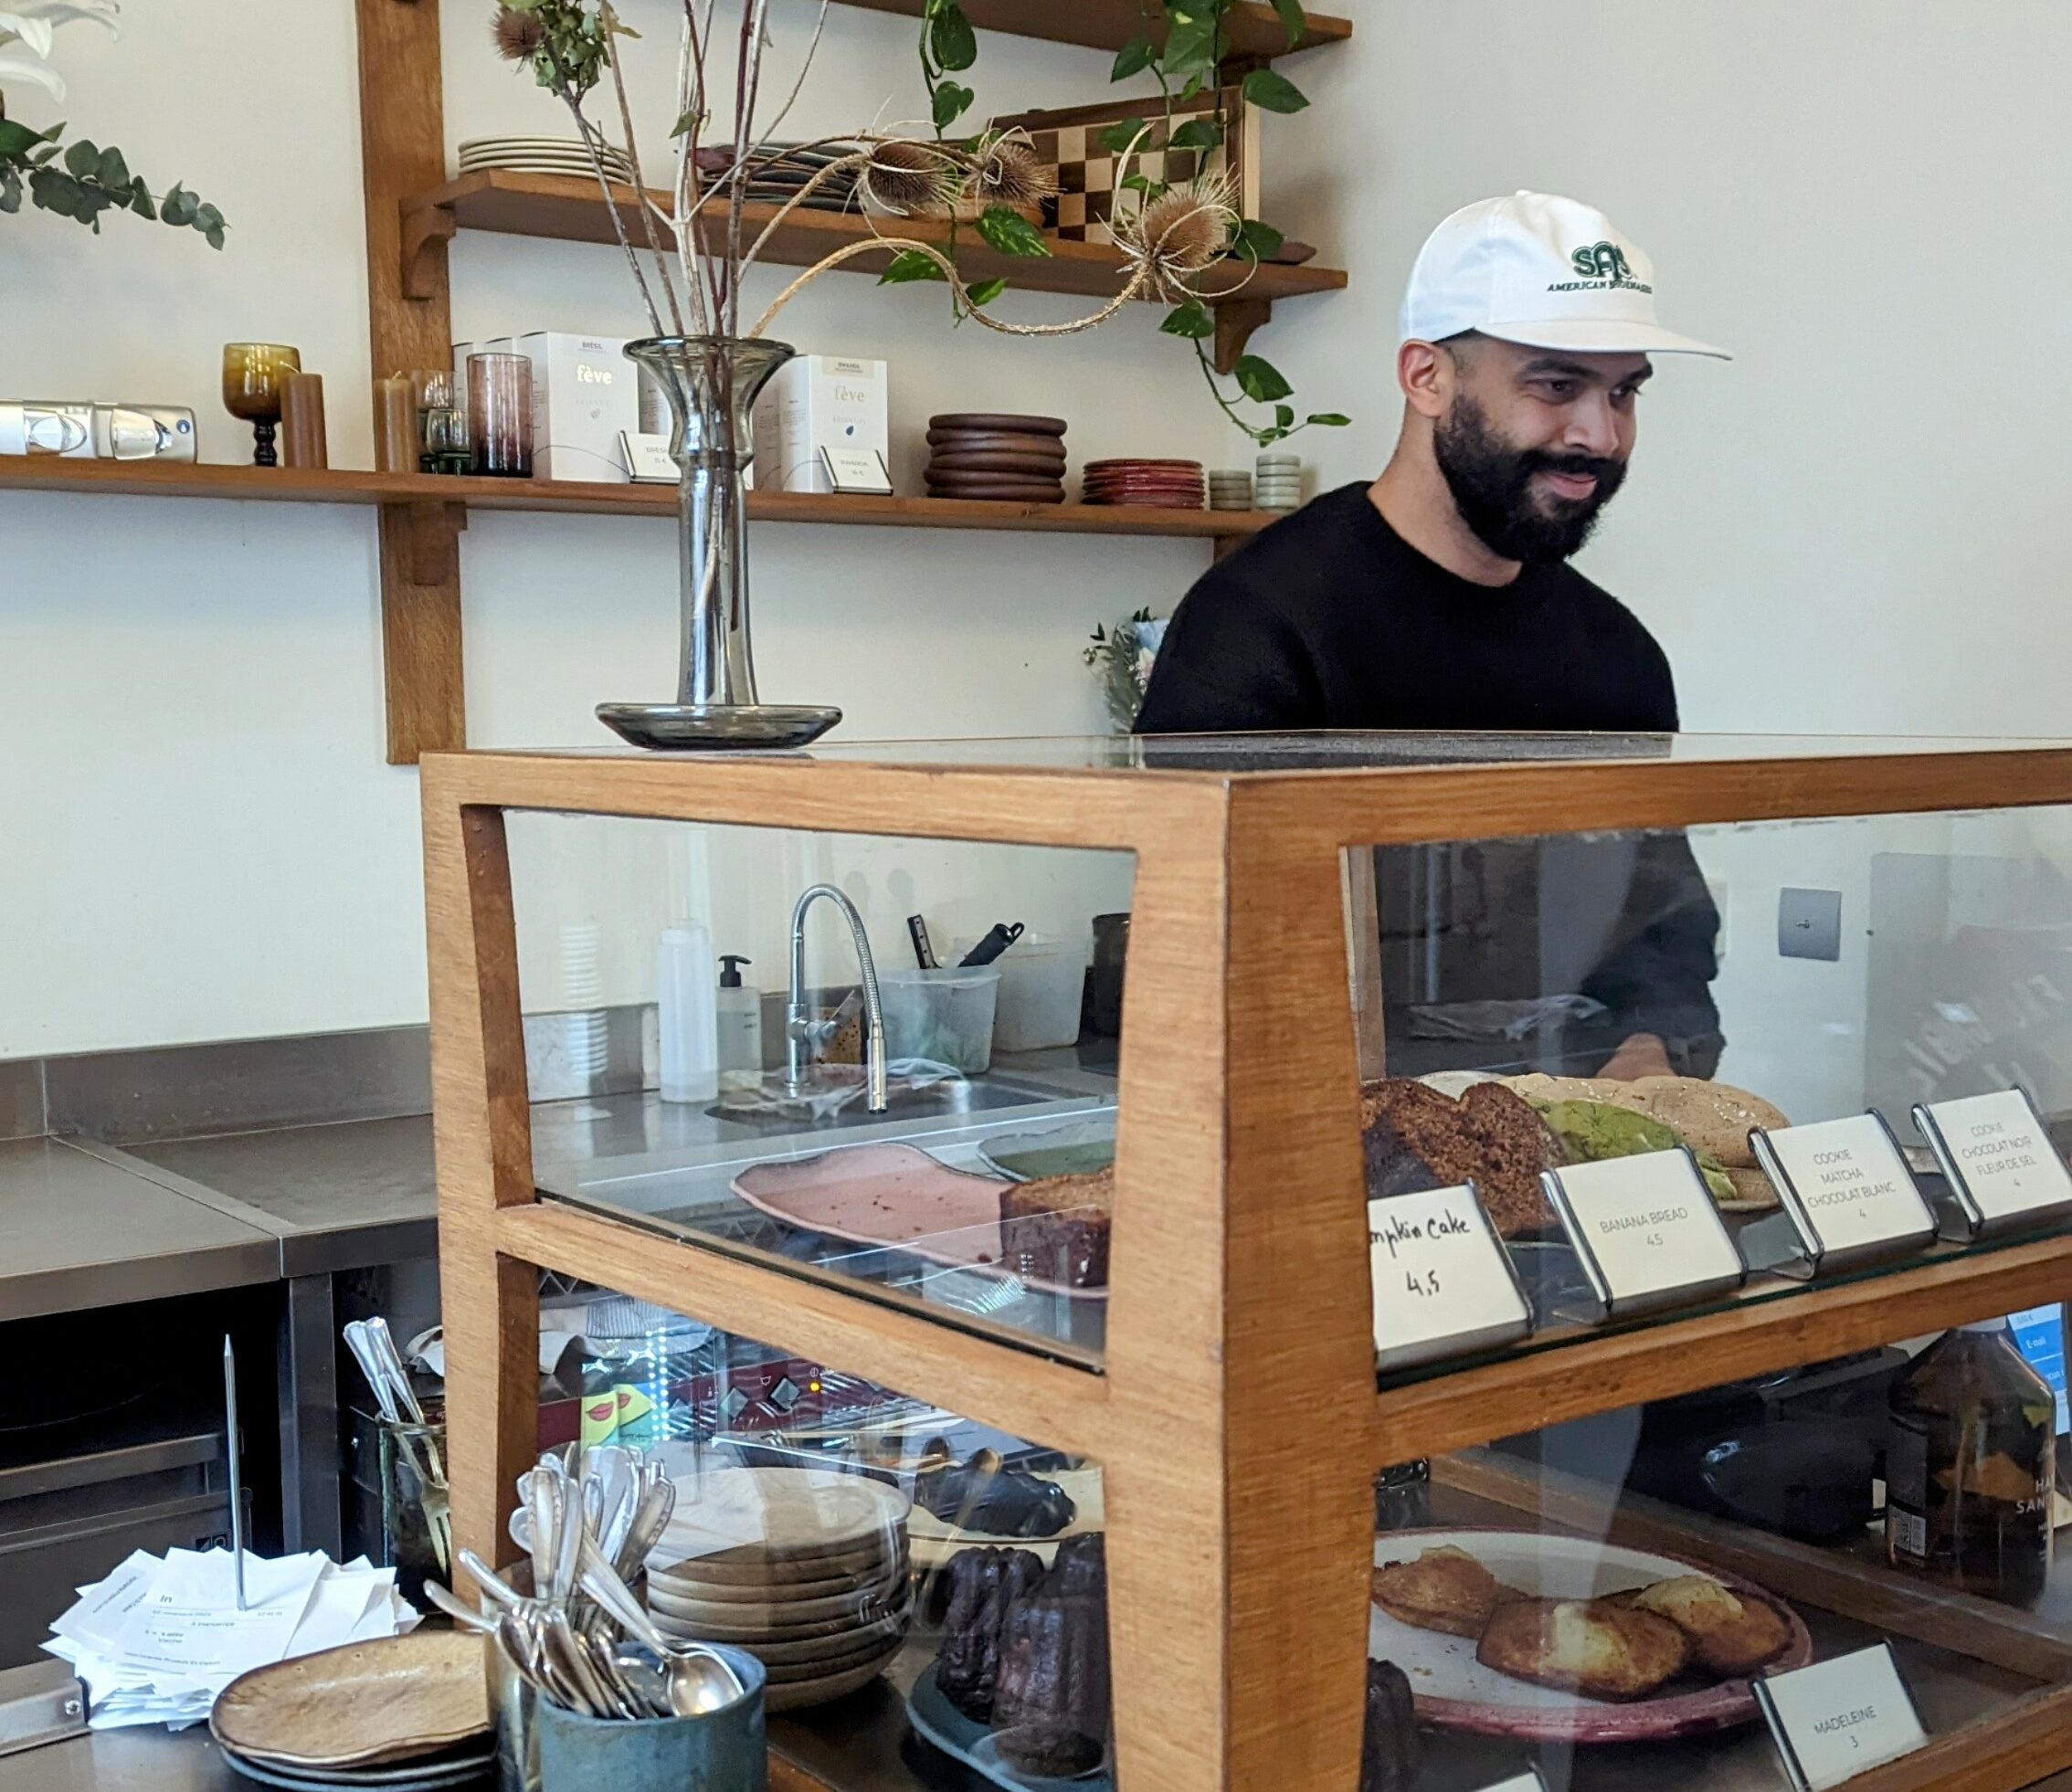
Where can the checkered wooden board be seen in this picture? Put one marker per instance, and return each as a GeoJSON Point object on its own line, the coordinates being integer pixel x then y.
{"type": "Point", "coordinates": [1087, 170]}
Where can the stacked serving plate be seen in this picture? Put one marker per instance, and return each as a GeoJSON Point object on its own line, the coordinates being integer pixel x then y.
{"type": "Point", "coordinates": [807, 1569]}
{"type": "Point", "coordinates": [540, 156]}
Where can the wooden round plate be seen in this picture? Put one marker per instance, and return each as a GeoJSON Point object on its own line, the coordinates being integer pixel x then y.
{"type": "Point", "coordinates": [815, 1630]}
{"type": "Point", "coordinates": [985, 420]}
{"type": "Point", "coordinates": [995, 441]}
{"type": "Point", "coordinates": [1012, 494]}
{"type": "Point", "coordinates": [756, 1516]}
{"type": "Point", "coordinates": [367, 1704]}
{"type": "Point", "coordinates": [781, 1695]}
{"type": "Point", "coordinates": [1452, 1690]}
{"type": "Point", "coordinates": [990, 461]}
{"type": "Point", "coordinates": [847, 1608]}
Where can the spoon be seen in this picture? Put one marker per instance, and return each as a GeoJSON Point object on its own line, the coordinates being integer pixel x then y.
{"type": "Point", "coordinates": [700, 1679]}
{"type": "Point", "coordinates": [458, 1609]}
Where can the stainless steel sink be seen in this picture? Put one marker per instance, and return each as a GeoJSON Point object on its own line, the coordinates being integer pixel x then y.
{"type": "Point", "coordinates": [981, 1094]}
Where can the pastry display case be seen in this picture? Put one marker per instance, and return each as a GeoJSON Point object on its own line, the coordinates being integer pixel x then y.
{"type": "Point", "coordinates": [1403, 1263]}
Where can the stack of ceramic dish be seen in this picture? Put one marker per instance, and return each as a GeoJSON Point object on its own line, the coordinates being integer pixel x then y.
{"type": "Point", "coordinates": [997, 455]}
{"type": "Point", "coordinates": [1230, 490]}
{"type": "Point", "coordinates": [779, 172]}
{"type": "Point", "coordinates": [1279, 485]}
{"type": "Point", "coordinates": [541, 155]}
{"type": "Point", "coordinates": [1166, 485]}
{"type": "Point", "coordinates": [405, 1714]}
{"type": "Point", "coordinates": [807, 1569]}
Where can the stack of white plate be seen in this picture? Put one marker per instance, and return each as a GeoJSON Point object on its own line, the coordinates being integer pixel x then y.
{"type": "Point", "coordinates": [540, 156]}
{"type": "Point", "coordinates": [1279, 482]}
{"type": "Point", "coordinates": [807, 1569]}
{"type": "Point", "coordinates": [1230, 489]}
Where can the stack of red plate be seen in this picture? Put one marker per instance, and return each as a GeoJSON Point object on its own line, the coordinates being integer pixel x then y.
{"type": "Point", "coordinates": [1171, 485]}
{"type": "Point", "coordinates": [996, 456]}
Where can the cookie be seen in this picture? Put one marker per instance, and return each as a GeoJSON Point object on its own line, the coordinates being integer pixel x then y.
{"type": "Point", "coordinates": [1445, 1590]}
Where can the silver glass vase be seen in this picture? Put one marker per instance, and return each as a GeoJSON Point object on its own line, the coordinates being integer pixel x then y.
{"type": "Point", "coordinates": [711, 383]}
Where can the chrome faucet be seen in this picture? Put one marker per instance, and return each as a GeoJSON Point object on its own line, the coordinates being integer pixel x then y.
{"type": "Point", "coordinates": [801, 1031]}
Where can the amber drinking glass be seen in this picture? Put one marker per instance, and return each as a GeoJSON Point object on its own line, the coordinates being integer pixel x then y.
{"type": "Point", "coordinates": [253, 374]}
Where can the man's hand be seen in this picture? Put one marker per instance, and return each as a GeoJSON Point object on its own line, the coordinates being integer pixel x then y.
{"type": "Point", "coordinates": [1642, 1055]}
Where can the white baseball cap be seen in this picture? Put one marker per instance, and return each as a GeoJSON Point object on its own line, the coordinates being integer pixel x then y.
{"type": "Point", "coordinates": [1542, 272]}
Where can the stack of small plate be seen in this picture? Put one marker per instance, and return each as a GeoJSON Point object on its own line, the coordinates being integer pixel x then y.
{"type": "Point", "coordinates": [807, 1569]}
{"type": "Point", "coordinates": [779, 172]}
{"type": "Point", "coordinates": [1166, 485]}
{"type": "Point", "coordinates": [1230, 490]}
{"type": "Point", "coordinates": [1279, 486]}
{"type": "Point", "coordinates": [997, 455]}
{"type": "Point", "coordinates": [406, 1714]}
{"type": "Point", "coordinates": [541, 155]}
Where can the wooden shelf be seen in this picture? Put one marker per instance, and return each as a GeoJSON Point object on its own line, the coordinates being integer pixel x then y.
{"type": "Point", "coordinates": [341, 486]}
{"type": "Point", "coordinates": [570, 208]}
{"type": "Point", "coordinates": [1255, 31]}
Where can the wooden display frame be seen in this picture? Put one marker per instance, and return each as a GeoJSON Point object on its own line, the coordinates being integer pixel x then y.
{"type": "Point", "coordinates": [1239, 1550]}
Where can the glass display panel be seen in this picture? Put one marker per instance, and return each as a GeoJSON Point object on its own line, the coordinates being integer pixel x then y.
{"type": "Point", "coordinates": [1598, 1600]}
{"type": "Point", "coordinates": [923, 1591]}
{"type": "Point", "coordinates": [1540, 1015]}
{"type": "Point", "coordinates": [655, 969]}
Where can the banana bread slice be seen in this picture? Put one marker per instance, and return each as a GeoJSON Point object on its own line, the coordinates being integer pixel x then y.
{"type": "Point", "coordinates": [1055, 1229]}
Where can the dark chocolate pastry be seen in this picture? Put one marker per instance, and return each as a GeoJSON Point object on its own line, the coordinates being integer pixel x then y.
{"type": "Point", "coordinates": [1079, 1568]}
{"type": "Point", "coordinates": [1051, 1715]}
{"type": "Point", "coordinates": [980, 1495]}
{"type": "Point", "coordinates": [1388, 1757]}
{"type": "Point", "coordinates": [1055, 1229]}
{"type": "Point", "coordinates": [983, 1584]}
{"type": "Point", "coordinates": [1414, 1138]}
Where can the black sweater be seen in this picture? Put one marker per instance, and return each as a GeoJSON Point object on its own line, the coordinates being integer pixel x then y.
{"type": "Point", "coordinates": [1331, 620]}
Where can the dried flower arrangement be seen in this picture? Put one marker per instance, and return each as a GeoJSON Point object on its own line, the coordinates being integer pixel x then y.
{"type": "Point", "coordinates": [79, 179]}
{"type": "Point", "coordinates": [992, 180]}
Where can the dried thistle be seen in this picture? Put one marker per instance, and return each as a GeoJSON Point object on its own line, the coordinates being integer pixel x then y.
{"type": "Point", "coordinates": [519, 36]}
{"type": "Point", "coordinates": [1176, 237]}
{"type": "Point", "coordinates": [1009, 173]}
{"type": "Point", "coordinates": [910, 179]}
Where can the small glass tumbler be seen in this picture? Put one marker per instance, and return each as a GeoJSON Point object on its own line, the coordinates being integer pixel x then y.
{"type": "Point", "coordinates": [442, 426]}
{"type": "Point", "coordinates": [253, 374]}
{"type": "Point", "coordinates": [500, 415]}
{"type": "Point", "coordinates": [416, 1527]}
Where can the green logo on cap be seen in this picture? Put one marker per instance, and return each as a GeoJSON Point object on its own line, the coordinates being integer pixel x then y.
{"type": "Point", "coordinates": [1602, 261]}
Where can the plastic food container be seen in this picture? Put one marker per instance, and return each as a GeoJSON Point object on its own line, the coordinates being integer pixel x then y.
{"type": "Point", "coordinates": [1042, 985]}
{"type": "Point", "coordinates": [943, 1016]}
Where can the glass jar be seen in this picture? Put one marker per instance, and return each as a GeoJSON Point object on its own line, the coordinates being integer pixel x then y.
{"type": "Point", "coordinates": [443, 444]}
{"type": "Point", "coordinates": [416, 1527]}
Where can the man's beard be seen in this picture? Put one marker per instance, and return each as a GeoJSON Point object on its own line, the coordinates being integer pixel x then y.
{"type": "Point", "coordinates": [1492, 484]}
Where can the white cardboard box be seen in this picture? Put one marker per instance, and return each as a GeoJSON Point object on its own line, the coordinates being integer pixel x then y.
{"type": "Point", "coordinates": [584, 395]}
{"type": "Point", "coordinates": [820, 402]}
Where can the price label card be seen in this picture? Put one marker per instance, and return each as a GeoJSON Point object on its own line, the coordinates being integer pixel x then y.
{"type": "Point", "coordinates": [647, 458]}
{"type": "Point", "coordinates": [1442, 1283]}
{"type": "Point", "coordinates": [1848, 1191]}
{"type": "Point", "coordinates": [1837, 1719]}
{"type": "Point", "coordinates": [1646, 1228]}
{"type": "Point", "coordinates": [1999, 1159]}
{"type": "Point", "coordinates": [1529, 1781]}
{"type": "Point", "coordinates": [856, 469]}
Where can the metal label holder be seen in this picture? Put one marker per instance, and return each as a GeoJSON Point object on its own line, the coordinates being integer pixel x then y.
{"type": "Point", "coordinates": [1610, 1302]}
{"type": "Point", "coordinates": [1805, 1256]}
{"type": "Point", "coordinates": [1436, 1348]}
{"type": "Point", "coordinates": [1780, 1734]}
{"type": "Point", "coordinates": [1967, 1220]}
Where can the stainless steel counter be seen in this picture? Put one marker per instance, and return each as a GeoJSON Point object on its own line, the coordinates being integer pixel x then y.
{"type": "Point", "coordinates": [79, 1231]}
{"type": "Point", "coordinates": [139, 1760]}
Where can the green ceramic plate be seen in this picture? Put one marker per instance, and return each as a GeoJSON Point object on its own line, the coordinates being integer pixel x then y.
{"type": "Point", "coordinates": [1076, 1150]}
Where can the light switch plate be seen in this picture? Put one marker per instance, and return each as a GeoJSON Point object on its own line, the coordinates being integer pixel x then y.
{"type": "Point", "coordinates": [1809, 923]}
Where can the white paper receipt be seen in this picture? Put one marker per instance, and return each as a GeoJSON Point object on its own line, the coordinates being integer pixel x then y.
{"type": "Point", "coordinates": [1996, 1144]}
{"type": "Point", "coordinates": [1529, 1781]}
{"type": "Point", "coordinates": [1650, 1225]}
{"type": "Point", "coordinates": [1442, 1281]}
{"type": "Point", "coordinates": [1837, 1719]}
{"type": "Point", "coordinates": [1851, 1181]}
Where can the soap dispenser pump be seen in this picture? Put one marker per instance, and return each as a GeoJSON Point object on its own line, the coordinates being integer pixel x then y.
{"type": "Point", "coordinates": [740, 1026]}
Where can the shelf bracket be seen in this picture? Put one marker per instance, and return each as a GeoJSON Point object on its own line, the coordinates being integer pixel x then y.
{"type": "Point", "coordinates": [427, 229]}
{"type": "Point", "coordinates": [420, 628]}
{"type": "Point", "coordinates": [1236, 319]}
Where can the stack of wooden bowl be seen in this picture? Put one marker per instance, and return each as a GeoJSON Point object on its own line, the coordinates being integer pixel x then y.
{"type": "Point", "coordinates": [996, 456]}
{"type": "Point", "coordinates": [807, 1569]}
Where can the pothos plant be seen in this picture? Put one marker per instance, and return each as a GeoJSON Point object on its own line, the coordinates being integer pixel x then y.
{"type": "Point", "coordinates": [1186, 64]}
{"type": "Point", "coordinates": [77, 179]}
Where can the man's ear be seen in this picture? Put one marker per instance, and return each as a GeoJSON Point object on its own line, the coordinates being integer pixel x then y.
{"type": "Point", "coordinates": [1425, 372]}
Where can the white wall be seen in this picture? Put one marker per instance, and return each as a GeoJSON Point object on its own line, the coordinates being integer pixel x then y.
{"type": "Point", "coordinates": [1851, 528]}
{"type": "Point", "coordinates": [200, 839]}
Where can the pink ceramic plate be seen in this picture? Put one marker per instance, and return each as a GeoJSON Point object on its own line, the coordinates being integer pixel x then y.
{"type": "Point", "coordinates": [896, 1195]}
{"type": "Point", "coordinates": [1456, 1692]}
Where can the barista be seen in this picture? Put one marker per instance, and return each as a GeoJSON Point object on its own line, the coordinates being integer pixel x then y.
{"type": "Point", "coordinates": [1440, 598]}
